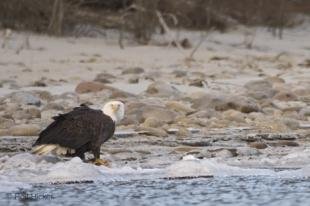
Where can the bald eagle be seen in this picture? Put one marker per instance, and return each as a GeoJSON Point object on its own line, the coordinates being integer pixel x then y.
{"type": "Point", "coordinates": [79, 131]}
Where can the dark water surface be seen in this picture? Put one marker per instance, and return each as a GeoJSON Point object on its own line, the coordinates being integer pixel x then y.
{"type": "Point", "coordinates": [251, 190]}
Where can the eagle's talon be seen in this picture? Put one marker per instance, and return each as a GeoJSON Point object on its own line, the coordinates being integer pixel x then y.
{"type": "Point", "coordinates": [100, 162]}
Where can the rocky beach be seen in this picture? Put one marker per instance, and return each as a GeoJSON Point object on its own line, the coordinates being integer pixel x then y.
{"type": "Point", "coordinates": [226, 101]}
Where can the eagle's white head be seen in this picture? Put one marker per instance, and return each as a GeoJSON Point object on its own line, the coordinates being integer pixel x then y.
{"type": "Point", "coordinates": [114, 109]}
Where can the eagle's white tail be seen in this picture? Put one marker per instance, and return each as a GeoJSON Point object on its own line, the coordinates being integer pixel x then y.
{"type": "Point", "coordinates": [49, 148]}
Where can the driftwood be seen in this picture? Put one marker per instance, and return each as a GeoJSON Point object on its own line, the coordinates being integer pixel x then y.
{"type": "Point", "coordinates": [167, 30]}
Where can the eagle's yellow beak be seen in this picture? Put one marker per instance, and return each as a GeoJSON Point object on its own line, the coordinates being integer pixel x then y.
{"type": "Point", "coordinates": [115, 107]}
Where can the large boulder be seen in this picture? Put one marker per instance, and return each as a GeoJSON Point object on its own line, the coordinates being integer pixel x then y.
{"type": "Point", "coordinates": [225, 102]}
{"type": "Point", "coordinates": [86, 87]}
{"type": "Point", "coordinates": [179, 107]}
{"type": "Point", "coordinates": [162, 89]}
{"type": "Point", "coordinates": [285, 96]}
{"type": "Point", "coordinates": [108, 91]}
{"type": "Point", "coordinates": [260, 89]}
{"type": "Point", "coordinates": [142, 112]}
{"type": "Point", "coordinates": [158, 112]}
{"type": "Point", "coordinates": [25, 98]}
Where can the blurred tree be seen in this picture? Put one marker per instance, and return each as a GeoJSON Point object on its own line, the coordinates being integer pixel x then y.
{"type": "Point", "coordinates": [56, 21]}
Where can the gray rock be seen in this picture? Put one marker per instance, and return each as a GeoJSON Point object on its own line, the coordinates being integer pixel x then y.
{"type": "Point", "coordinates": [27, 113]}
{"type": "Point", "coordinates": [133, 80]}
{"type": "Point", "coordinates": [134, 110]}
{"type": "Point", "coordinates": [197, 83]}
{"type": "Point", "coordinates": [54, 106]}
{"type": "Point", "coordinates": [223, 103]}
{"type": "Point", "coordinates": [158, 112]}
{"type": "Point", "coordinates": [44, 95]}
{"type": "Point", "coordinates": [157, 132]}
{"type": "Point", "coordinates": [206, 114]}
{"type": "Point", "coordinates": [224, 153]}
{"type": "Point", "coordinates": [68, 95]}
{"type": "Point", "coordinates": [179, 107]}
{"type": "Point", "coordinates": [234, 115]}
{"type": "Point", "coordinates": [104, 78]}
{"type": "Point", "coordinates": [26, 98]}
{"type": "Point", "coordinates": [285, 96]}
{"type": "Point", "coordinates": [248, 151]}
{"type": "Point", "coordinates": [179, 73]}
{"type": "Point", "coordinates": [40, 83]}
{"type": "Point", "coordinates": [291, 123]}
{"type": "Point", "coordinates": [258, 145]}
{"type": "Point", "coordinates": [275, 80]}
{"type": "Point", "coordinates": [305, 111]}
{"type": "Point", "coordinates": [153, 122]}
{"type": "Point", "coordinates": [162, 89]}
{"type": "Point", "coordinates": [260, 89]}
{"type": "Point", "coordinates": [283, 143]}
{"type": "Point", "coordinates": [133, 70]}
{"type": "Point", "coordinates": [270, 136]}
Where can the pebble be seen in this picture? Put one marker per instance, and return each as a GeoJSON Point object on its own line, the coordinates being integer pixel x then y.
{"type": "Point", "coordinates": [39, 83]}
{"type": "Point", "coordinates": [133, 80]}
{"type": "Point", "coordinates": [198, 83]}
{"type": "Point", "coordinates": [179, 73]}
{"type": "Point", "coordinates": [133, 70]}
{"type": "Point", "coordinates": [104, 78]}
{"type": "Point", "coordinates": [258, 145]}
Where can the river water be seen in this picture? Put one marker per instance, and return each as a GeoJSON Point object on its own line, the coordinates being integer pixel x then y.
{"type": "Point", "coordinates": [27, 179]}
{"type": "Point", "coordinates": [237, 190]}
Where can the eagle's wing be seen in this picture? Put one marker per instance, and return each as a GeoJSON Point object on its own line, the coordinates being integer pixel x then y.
{"type": "Point", "coordinates": [74, 129]}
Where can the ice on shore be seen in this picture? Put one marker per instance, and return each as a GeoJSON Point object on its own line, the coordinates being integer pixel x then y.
{"type": "Point", "coordinates": [22, 170]}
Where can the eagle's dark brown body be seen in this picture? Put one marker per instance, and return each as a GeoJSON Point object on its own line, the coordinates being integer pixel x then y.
{"type": "Point", "coordinates": [82, 130]}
